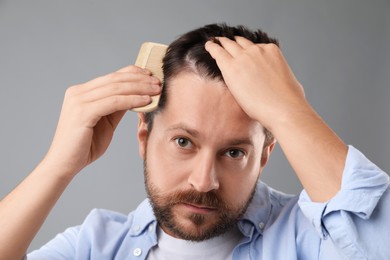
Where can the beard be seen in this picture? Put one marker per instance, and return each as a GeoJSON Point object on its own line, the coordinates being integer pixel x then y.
{"type": "Point", "coordinates": [194, 226]}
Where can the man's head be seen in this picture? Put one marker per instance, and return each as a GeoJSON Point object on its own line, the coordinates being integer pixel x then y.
{"type": "Point", "coordinates": [188, 54]}
{"type": "Point", "coordinates": [202, 153]}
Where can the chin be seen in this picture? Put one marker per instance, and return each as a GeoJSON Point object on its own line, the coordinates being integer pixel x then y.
{"type": "Point", "coordinates": [196, 227]}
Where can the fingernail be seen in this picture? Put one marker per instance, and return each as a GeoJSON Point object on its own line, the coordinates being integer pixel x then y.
{"type": "Point", "coordinates": [145, 71]}
{"type": "Point", "coordinates": [155, 79]}
{"type": "Point", "coordinates": [155, 87]}
{"type": "Point", "coordinates": [146, 98]}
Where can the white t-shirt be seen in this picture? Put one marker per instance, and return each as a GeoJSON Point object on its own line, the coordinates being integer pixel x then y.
{"type": "Point", "coordinates": [217, 248]}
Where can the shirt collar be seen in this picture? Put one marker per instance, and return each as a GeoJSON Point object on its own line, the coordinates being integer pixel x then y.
{"type": "Point", "coordinates": [142, 218]}
{"type": "Point", "coordinates": [258, 212]}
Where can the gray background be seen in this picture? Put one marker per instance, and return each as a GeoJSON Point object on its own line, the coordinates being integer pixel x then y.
{"type": "Point", "coordinates": [339, 50]}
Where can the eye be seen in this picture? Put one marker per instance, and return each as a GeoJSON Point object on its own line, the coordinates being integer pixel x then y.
{"type": "Point", "coordinates": [235, 153]}
{"type": "Point", "coordinates": [183, 142]}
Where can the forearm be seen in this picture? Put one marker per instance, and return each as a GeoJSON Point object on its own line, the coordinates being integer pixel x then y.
{"type": "Point", "coordinates": [315, 152]}
{"type": "Point", "coordinates": [25, 209]}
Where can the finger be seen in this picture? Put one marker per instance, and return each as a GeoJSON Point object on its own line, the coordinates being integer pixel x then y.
{"type": "Point", "coordinates": [113, 104]}
{"type": "Point", "coordinates": [230, 46]}
{"type": "Point", "coordinates": [135, 69]}
{"type": "Point", "coordinates": [122, 88]}
{"type": "Point", "coordinates": [117, 77]}
{"type": "Point", "coordinates": [124, 77]}
{"type": "Point", "coordinates": [114, 119]}
{"type": "Point", "coordinates": [243, 42]}
{"type": "Point", "coordinates": [217, 52]}
{"type": "Point", "coordinates": [104, 79]}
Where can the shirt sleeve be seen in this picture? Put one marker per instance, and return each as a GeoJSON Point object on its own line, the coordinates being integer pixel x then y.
{"type": "Point", "coordinates": [64, 241]}
{"type": "Point", "coordinates": [357, 218]}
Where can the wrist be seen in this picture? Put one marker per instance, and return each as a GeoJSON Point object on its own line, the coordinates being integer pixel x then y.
{"type": "Point", "coordinates": [57, 169]}
{"type": "Point", "coordinates": [280, 120]}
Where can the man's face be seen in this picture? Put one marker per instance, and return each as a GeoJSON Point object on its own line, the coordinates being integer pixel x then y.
{"type": "Point", "coordinates": [202, 159]}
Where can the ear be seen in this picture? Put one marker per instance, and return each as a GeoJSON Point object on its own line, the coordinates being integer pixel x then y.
{"type": "Point", "coordinates": [142, 135]}
{"type": "Point", "coordinates": [267, 150]}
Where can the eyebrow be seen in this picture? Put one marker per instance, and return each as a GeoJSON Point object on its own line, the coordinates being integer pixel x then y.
{"type": "Point", "coordinates": [242, 141]}
{"type": "Point", "coordinates": [185, 128]}
{"type": "Point", "coordinates": [195, 133]}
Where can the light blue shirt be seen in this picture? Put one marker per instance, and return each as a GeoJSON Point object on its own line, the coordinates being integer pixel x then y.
{"type": "Point", "coordinates": [355, 224]}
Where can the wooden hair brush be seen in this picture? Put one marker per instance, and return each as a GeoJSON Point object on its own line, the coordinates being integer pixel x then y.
{"type": "Point", "coordinates": [150, 57]}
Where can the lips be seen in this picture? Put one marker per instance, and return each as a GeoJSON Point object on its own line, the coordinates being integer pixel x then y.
{"type": "Point", "coordinates": [200, 209]}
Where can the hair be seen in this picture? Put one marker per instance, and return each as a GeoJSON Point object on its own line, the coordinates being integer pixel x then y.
{"type": "Point", "coordinates": [188, 54]}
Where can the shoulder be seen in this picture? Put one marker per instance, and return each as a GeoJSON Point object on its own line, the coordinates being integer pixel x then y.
{"type": "Point", "coordinates": [268, 204]}
{"type": "Point", "coordinates": [280, 199]}
{"type": "Point", "coordinates": [284, 206]}
{"type": "Point", "coordinates": [102, 232]}
{"type": "Point", "coordinates": [103, 222]}
{"type": "Point", "coordinates": [107, 216]}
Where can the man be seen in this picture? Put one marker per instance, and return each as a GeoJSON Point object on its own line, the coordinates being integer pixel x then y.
{"type": "Point", "coordinates": [226, 89]}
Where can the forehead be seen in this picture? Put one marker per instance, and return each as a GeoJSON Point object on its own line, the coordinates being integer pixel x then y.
{"type": "Point", "coordinates": [207, 107]}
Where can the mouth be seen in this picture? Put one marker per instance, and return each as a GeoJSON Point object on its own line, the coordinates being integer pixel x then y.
{"type": "Point", "coordinates": [199, 209]}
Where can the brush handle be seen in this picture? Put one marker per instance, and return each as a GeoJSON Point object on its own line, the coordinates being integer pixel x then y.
{"type": "Point", "coordinates": [150, 57]}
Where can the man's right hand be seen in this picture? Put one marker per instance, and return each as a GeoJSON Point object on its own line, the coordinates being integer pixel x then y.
{"type": "Point", "coordinates": [89, 116]}
{"type": "Point", "coordinates": [92, 111]}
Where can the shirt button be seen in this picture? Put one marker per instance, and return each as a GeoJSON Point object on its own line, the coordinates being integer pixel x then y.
{"type": "Point", "coordinates": [261, 225]}
{"type": "Point", "coordinates": [136, 228]}
{"type": "Point", "coordinates": [151, 228]}
{"type": "Point", "coordinates": [137, 251]}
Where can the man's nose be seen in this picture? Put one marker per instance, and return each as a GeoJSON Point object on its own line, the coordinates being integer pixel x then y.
{"type": "Point", "coordinates": [203, 177]}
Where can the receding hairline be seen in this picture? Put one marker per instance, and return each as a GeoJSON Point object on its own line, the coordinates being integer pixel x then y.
{"type": "Point", "coordinates": [191, 66]}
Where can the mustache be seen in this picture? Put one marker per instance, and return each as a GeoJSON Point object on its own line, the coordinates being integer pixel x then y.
{"type": "Point", "coordinates": [208, 199]}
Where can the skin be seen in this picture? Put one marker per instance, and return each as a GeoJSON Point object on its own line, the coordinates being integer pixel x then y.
{"type": "Point", "coordinates": [257, 77]}
{"type": "Point", "coordinates": [202, 141]}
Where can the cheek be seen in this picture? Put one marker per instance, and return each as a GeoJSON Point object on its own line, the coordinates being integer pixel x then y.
{"type": "Point", "coordinates": [238, 186]}
{"type": "Point", "coordinates": [165, 172]}
{"type": "Point", "coordinates": [238, 190]}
